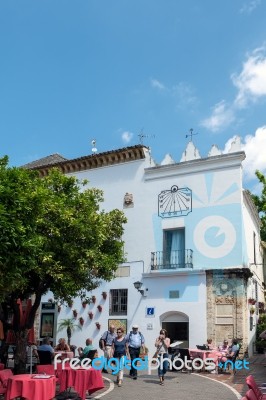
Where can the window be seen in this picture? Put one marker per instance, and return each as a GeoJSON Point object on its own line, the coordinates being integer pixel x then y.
{"type": "Point", "coordinates": [118, 302]}
{"type": "Point", "coordinates": [174, 248]}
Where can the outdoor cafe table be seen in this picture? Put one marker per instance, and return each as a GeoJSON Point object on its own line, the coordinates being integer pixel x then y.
{"type": "Point", "coordinates": [30, 388]}
{"type": "Point", "coordinates": [203, 354]}
{"type": "Point", "coordinates": [81, 380]}
{"type": "Point", "coordinates": [65, 354]}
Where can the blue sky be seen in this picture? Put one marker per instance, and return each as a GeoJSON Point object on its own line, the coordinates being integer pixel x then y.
{"type": "Point", "coordinates": [73, 71]}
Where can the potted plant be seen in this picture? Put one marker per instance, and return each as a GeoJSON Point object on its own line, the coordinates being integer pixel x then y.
{"type": "Point", "coordinates": [90, 314]}
{"type": "Point", "coordinates": [81, 321]}
{"type": "Point", "coordinates": [252, 310]}
{"type": "Point", "coordinates": [70, 303]}
{"type": "Point", "coordinates": [84, 303]}
{"type": "Point", "coordinates": [251, 301]}
{"type": "Point", "coordinates": [93, 298]}
{"type": "Point", "coordinates": [100, 307]}
{"type": "Point", "coordinates": [104, 294]}
{"type": "Point", "coordinates": [70, 325]}
{"type": "Point", "coordinates": [98, 325]}
{"type": "Point", "coordinates": [75, 313]}
{"type": "Point", "coordinates": [59, 308]}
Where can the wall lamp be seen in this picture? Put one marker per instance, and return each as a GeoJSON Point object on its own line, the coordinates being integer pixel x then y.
{"type": "Point", "coordinates": [138, 286]}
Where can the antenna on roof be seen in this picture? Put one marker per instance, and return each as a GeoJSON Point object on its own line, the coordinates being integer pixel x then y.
{"type": "Point", "coordinates": [191, 134]}
{"type": "Point", "coordinates": [93, 143]}
{"type": "Point", "coordinates": [142, 136]}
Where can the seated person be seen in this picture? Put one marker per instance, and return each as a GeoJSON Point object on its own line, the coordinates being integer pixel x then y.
{"type": "Point", "coordinates": [210, 345]}
{"type": "Point", "coordinates": [83, 353]}
{"type": "Point", "coordinates": [62, 345]}
{"type": "Point", "coordinates": [46, 346]}
{"type": "Point", "coordinates": [224, 347]}
{"type": "Point", "coordinates": [32, 355]}
{"type": "Point", "coordinates": [233, 349]}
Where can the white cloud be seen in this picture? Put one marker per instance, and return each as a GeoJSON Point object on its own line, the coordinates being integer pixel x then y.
{"type": "Point", "coordinates": [251, 82]}
{"type": "Point", "coordinates": [255, 149]}
{"type": "Point", "coordinates": [250, 6]}
{"type": "Point", "coordinates": [157, 84]}
{"type": "Point", "coordinates": [127, 136]}
{"type": "Point", "coordinates": [222, 116]}
{"type": "Point", "coordinates": [184, 94]}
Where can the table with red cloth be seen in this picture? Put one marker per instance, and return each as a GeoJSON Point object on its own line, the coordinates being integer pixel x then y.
{"type": "Point", "coordinates": [64, 354]}
{"type": "Point", "coordinates": [30, 388]}
{"type": "Point", "coordinates": [81, 380]}
{"type": "Point", "coordinates": [203, 354]}
{"type": "Point", "coordinates": [2, 366]}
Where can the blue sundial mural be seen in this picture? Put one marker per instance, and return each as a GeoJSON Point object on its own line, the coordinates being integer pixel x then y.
{"type": "Point", "coordinates": [175, 202]}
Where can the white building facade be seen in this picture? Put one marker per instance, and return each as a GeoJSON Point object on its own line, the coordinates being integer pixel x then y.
{"type": "Point", "coordinates": [192, 240]}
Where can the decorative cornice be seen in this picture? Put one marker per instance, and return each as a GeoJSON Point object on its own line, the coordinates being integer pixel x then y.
{"type": "Point", "coordinates": [98, 160]}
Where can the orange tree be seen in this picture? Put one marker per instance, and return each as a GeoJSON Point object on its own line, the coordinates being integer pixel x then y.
{"type": "Point", "coordinates": [53, 236]}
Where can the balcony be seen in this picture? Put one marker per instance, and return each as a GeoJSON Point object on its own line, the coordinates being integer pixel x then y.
{"type": "Point", "coordinates": [172, 260]}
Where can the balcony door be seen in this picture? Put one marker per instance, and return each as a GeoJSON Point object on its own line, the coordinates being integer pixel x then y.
{"type": "Point", "coordinates": [174, 248]}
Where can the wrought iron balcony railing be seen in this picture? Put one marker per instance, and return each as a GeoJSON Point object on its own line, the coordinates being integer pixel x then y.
{"type": "Point", "coordinates": [172, 260]}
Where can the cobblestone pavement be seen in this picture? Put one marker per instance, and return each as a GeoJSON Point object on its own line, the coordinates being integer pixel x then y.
{"type": "Point", "coordinates": [184, 386]}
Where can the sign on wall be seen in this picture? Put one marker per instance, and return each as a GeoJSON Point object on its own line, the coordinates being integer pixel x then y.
{"type": "Point", "coordinates": [150, 311]}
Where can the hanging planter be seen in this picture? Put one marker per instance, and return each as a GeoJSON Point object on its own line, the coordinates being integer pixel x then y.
{"type": "Point", "coordinates": [58, 308]}
{"type": "Point", "coordinates": [70, 303]}
{"type": "Point", "coordinates": [104, 294]}
{"type": "Point", "coordinates": [75, 313]}
{"type": "Point", "coordinates": [252, 310]}
{"type": "Point", "coordinates": [251, 301]}
{"type": "Point", "coordinates": [93, 299]}
{"type": "Point", "coordinates": [84, 303]}
{"type": "Point", "coordinates": [90, 314]}
{"type": "Point", "coordinates": [261, 305]}
{"type": "Point", "coordinates": [100, 307]}
{"type": "Point", "coordinates": [98, 325]}
{"type": "Point", "coordinates": [81, 321]}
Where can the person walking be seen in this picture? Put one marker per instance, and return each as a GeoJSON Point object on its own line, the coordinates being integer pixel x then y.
{"type": "Point", "coordinates": [135, 341]}
{"type": "Point", "coordinates": [106, 344]}
{"type": "Point", "coordinates": [119, 351]}
{"type": "Point", "coordinates": [162, 343]}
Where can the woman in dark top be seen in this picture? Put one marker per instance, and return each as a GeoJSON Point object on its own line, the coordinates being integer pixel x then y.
{"type": "Point", "coordinates": [120, 350]}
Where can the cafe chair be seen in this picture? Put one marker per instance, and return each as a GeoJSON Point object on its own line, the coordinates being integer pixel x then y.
{"type": "Point", "coordinates": [4, 375]}
{"type": "Point", "coordinates": [250, 395]}
{"type": "Point", "coordinates": [255, 388]}
{"type": "Point", "coordinates": [45, 357]}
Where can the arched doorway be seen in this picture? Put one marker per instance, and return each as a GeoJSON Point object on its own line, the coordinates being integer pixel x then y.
{"type": "Point", "coordinates": [177, 325]}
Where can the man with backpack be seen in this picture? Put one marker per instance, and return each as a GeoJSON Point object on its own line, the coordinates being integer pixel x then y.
{"type": "Point", "coordinates": [106, 343]}
{"type": "Point", "coordinates": [135, 341]}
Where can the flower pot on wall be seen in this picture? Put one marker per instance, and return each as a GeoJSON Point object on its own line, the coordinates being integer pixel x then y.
{"type": "Point", "coordinates": [59, 308]}
{"type": "Point", "coordinates": [81, 321]}
{"type": "Point", "coordinates": [84, 303]}
{"type": "Point", "coordinates": [100, 307]}
{"type": "Point", "coordinates": [98, 325]}
{"type": "Point", "coordinates": [75, 313]}
{"type": "Point", "coordinates": [104, 294]}
{"type": "Point", "coordinates": [93, 298]}
{"type": "Point", "coordinates": [90, 314]}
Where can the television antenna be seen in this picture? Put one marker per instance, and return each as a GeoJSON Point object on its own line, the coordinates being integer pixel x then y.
{"type": "Point", "coordinates": [141, 136]}
{"type": "Point", "coordinates": [94, 149]}
{"type": "Point", "coordinates": [191, 134]}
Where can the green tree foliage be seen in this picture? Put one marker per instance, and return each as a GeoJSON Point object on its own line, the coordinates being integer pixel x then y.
{"type": "Point", "coordinates": [260, 202]}
{"type": "Point", "coordinates": [53, 235]}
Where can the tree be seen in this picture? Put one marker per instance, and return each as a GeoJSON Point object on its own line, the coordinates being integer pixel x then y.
{"type": "Point", "coordinates": [70, 325]}
{"type": "Point", "coordinates": [260, 202]}
{"type": "Point", "coordinates": [54, 236]}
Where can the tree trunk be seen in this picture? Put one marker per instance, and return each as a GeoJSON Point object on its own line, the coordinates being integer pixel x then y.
{"type": "Point", "coordinates": [68, 335]}
{"type": "Point", "coordinates": [20, 356]}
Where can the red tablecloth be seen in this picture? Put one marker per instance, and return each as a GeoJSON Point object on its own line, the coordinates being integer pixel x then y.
{"type": "Point", "coordinates": [65, 354]}
{"type": "Point", "coordinates": [81, 380]}
{"type": "Point", "coordinates": [30, 388]}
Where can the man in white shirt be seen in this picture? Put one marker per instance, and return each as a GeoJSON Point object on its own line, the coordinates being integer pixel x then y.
{"type": "Point", "coordinates": [135, 341]}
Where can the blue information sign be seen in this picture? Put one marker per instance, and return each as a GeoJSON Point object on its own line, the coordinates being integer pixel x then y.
{"type": "Point", "coordinates": [150, 311]}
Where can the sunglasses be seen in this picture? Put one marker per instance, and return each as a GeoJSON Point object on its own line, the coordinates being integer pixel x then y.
{"type": "Point", "coordinates": [119, 331]}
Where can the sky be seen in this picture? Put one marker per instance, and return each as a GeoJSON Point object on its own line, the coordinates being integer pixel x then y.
{"type": "Point", "coordinates": [73, 71]}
